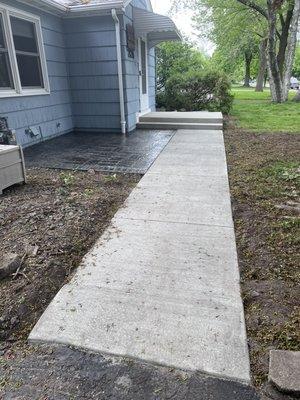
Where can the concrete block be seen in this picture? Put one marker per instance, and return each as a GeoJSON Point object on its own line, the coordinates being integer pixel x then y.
{"type": "Point", "coordinates": [284, 371]}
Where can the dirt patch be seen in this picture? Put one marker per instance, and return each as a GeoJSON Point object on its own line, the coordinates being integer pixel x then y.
{"type": "Point", "coordinates": [264, 173]}
{"type": "Point", "coordinates": [62, 373]}
{"type": "Point", "coordinates": [51, 222]}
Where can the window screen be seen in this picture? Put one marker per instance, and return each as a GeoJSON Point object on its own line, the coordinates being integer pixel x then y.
{"type": "Point", "coordinates": [27, 53]}
{"type": "Point", "coordinates": [6, 81]}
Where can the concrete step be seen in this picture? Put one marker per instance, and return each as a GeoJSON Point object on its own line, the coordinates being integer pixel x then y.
{"type": "Point", "coordinates": [180, 125]}
{"type": "Point", "coordinates": [183, 120]}
{"type": "Point", "coordinates": [197, 117]}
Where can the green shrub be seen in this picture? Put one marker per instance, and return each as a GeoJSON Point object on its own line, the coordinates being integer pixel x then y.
{"type": "Point", "coordinates": [196, 91]}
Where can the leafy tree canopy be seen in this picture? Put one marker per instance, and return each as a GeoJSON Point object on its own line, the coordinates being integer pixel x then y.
{"type": "Point", "coordinates": [177, 58]}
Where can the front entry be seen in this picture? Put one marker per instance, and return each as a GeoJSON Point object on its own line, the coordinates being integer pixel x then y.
{"type": "Point", "coordinates": [143, 72]}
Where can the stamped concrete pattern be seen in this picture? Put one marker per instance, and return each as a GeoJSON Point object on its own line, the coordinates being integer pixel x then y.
{"type": "Point", "coordinates": [100, 151]}
{"type": "Point", "coordinates": [162, 283]}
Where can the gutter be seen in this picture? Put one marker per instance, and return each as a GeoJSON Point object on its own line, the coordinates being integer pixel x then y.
{"type": "Point", "coordinates": [83, 9]}
{"type": "Point", "coordinates": [95, 7]}
{"type": "Point", "coordinates": [120, 69]}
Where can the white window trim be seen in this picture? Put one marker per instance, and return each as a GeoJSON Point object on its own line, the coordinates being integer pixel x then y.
{"type": "Point", "coordinates": [18, 91]}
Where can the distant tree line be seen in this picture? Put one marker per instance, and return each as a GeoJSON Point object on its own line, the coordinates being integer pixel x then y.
{"type": "Point", "coordinates": [256, 36]}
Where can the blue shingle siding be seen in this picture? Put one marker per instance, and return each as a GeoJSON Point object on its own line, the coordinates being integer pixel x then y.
{"type": "Point", "coordinates": [82, 66]}
{"type": "Point", "coordinates": [131, 72]}
{"type": "Point", "coordinates": [47, 111]}
{"type": "Point", "coordinates": [139, 3]}
{"type": "Point", "coordinates": [92, 63]}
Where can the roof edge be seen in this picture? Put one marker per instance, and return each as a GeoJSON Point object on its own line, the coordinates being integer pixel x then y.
{"type": "Point", "coordinates": [53, 6]}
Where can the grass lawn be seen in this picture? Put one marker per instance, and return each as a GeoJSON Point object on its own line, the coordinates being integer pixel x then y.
{"type": "Point", "coordinates": [256, 112]}
{"type": "Point", "coordinates": [263, 155]}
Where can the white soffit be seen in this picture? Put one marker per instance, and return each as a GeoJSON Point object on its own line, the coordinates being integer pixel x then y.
{"type": "Point", "coordinates": [158, 28]}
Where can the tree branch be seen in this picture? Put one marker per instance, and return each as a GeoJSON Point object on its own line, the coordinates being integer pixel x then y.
{"type": "Point", "coordinates": [282, 21]}
{"type": "Point", "coordinates": [255, 7]}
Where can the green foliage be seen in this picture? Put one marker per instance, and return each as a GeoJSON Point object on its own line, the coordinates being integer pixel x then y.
{"type": "Point", "coordinates": [111, 178]}
{"type": "Point", "coordinates": [296, 69]}
{"type": "Point", "coordinates": [196, 91]}
{"type": "Point", "coordinates": [234, 30]}
{"type": "Point", "coordinates": [177, 58]}
{"type": "Point", "coordinates": [67, 178]}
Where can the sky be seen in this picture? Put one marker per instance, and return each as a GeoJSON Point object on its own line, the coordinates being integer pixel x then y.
{"type": "Point", "coordinates": [184, 22]}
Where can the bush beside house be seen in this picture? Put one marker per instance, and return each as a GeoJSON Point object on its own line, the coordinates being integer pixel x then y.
{"type": "Point", "coordinates": [196, 91]}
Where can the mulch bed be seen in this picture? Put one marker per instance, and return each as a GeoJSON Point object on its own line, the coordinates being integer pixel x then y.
{"type": "Point", "coordinates": [51, 222]}
{"type": "Point", "coordinates": [264, 172]}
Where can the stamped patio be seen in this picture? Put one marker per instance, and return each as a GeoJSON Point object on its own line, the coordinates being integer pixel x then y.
{"type": "Point", "coordinates": [105, 152]}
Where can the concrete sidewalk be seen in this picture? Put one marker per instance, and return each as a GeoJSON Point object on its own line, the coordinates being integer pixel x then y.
{"type": "Point", "coordinates": [162, 283]}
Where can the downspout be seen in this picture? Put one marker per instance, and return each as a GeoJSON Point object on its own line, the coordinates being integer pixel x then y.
{"type": "Point", "coordinates": [120, 70]}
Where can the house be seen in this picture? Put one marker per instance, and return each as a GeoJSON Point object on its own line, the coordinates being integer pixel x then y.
{"type": "Point", "coordinates": [86, 65]}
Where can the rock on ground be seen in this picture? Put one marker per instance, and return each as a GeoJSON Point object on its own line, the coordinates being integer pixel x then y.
{"type": "Point", "coordinates": [284, 371]}
{"type": "Point", "coordinates": [9, 263]}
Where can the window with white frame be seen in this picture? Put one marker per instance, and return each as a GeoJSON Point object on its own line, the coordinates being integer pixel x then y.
{"type": "Point", "coordinates": [23, 68]}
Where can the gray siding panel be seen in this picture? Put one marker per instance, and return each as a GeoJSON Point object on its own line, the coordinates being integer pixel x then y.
{"type": "Point", "coordinates": [90, 39]}
{"type": "Point", "coordinates": [131, 72]}
{"type": "Point", "coordinates": [98, 123]}
{"type": "Point", "coordinates": [47, 111]}
{"type": "Point", "coordinates": [93, 82]}
{"type": "Point", "coordinates": [139, 3]}
{"type": "Point", "coordinates": [82, 65]}
{"type": "Point", "coordinates": [98, 96]}
{"type": "Point", "coordinates": [93, 73]}
{"type": "Point", "coordinates": [90, 54]}
{"type": "Point", "coordinates": [96, 109]}
{"type": "Point", "coordinates": [89, 24]}
{"type": "Point", "coordinates": [104, 68]}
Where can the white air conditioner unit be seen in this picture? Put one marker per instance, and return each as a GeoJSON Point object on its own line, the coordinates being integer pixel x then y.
{"type": "Point", "coordinates": [12, 166]}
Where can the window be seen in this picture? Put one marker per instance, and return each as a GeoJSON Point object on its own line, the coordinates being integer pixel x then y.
{"type": "Point", "coordinates": [23, 68]}
{"type": "Point", "coordinates": [6, 81]}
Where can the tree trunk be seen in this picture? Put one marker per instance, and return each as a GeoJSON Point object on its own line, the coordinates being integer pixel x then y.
{"type": "Point", "coordinates": [279, 65]}
{"type": "Point", "coordinates": [262, 66]}
{"type": "Point", "coordinates": [290, 50]}
{"type": "Point", "coordinates": [283, 42]}
{"type": "Point", "coordinates": [275, 77]}
{"type": "Point", "coordinates": [248, 60]}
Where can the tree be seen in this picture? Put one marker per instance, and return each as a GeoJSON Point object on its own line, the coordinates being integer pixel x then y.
{"type": "Point", "coordinates": [296, 71]}
{"type": "Point", "coordinates": [281, 18]}
{"type": "Point", "coordinates": [236, 33]}
{"type": "Point", "coordinates": [296, 68]}
{"type": "Point", "coordinates": [177, 58]}
{"type": "Point", "coordinates": [263, 63]}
